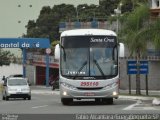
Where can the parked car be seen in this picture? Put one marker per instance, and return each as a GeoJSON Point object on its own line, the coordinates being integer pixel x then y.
{"type": "Point", "coordinates": [16, 75]}
{"type": "Point", "coordinates": [15, 87]}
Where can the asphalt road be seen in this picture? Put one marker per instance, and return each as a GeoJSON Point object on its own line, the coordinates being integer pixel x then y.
{"type": "Point", "coordinates": [44, 102]}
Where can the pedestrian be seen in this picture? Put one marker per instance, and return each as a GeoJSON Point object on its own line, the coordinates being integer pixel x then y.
{"type": "Point", "coordinates": [3, 78]}
{"type": "Point", "coordinates": [51, 80]}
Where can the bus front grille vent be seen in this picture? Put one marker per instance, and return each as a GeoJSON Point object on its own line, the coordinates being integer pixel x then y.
{"type": "Point", "coordinates": [97, 88]}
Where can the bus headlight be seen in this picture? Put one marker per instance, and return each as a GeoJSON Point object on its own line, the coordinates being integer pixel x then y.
{"type": "Point", "coordinates": [115, 93]}
{"type": "Point", "coordinates": [64, 93]}
{"type": "Point", "coordinates": [68, 86]}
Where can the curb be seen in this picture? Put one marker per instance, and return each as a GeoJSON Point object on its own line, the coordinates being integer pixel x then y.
{"type": "Point", "coordinates": [44, 92]}
{"type": "Point", "coordinates": [136, 97]}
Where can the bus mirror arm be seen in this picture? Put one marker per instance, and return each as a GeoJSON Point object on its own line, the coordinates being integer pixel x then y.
{"type": "Point", "coordinates": [113, 56]}
{"type": "Point", "coordinates": [57, 52]}
{"type": "Point", "coordinates": [121, 50]}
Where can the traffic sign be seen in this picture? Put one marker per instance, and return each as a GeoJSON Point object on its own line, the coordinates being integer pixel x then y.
{"type": "Point", "coordinates": [133, 67]}
{"type": "Point", "coordinates": [48, 50]}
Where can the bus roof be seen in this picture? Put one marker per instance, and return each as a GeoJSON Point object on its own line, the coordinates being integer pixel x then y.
{"type": "Point", "coordinates": [82, 32]}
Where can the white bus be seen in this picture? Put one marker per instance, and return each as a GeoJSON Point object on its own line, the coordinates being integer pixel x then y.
{"type": "Point", "coordinates": [88, 65]}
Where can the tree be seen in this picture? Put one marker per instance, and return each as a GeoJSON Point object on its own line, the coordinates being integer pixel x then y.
{"type": "Point", "coordinates": [53, 44]}
{"type": "Point", "coordinates": [108, 6]}
{"type": "Point", "coordinates": [47, 24]}
{"type": "Point", "coordinates": [5, 57]}
{"type": "Point", "coordinates": [154, 33]}
{"type": "Point", "coordinates": [135, 31]}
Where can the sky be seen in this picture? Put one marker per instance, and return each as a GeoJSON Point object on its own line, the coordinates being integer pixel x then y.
{"type": "Point", "coordinates": [15, 14]}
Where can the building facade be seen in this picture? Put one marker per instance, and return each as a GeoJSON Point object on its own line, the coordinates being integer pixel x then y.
{"type": "Point", "coordinates": [154, 8]}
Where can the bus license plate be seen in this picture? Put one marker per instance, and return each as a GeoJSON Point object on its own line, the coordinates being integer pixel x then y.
{"type": "Point", "coordinates": [89, 94]}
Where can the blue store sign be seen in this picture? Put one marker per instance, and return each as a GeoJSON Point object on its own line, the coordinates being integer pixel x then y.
{"type": "Point", "coordinates": [133, 68]}
{"type": "Point", "coordinates": [24, 43]}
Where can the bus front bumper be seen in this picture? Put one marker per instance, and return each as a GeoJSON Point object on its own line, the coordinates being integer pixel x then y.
{"type": "Point", "coordinates": [87, 94]}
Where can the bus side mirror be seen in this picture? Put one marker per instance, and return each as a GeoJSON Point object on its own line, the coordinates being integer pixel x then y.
{"type": "Point", "coordinates": [57, 52]}
{"type": "Point", "coordinates": [121, 50]}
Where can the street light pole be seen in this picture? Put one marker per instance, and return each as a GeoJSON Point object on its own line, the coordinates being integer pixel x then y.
{"type": "Point", "coordinates": [77, 13]}
{"type": "Point", "coordinates": [118, 12]}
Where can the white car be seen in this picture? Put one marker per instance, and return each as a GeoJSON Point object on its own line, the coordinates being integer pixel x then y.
{"type": "Point", "coordinates": [16, 87]}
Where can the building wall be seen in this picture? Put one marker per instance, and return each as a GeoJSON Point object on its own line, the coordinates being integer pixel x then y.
{"type": "Point", "coordinates": [30, 74]}
{"type": "Point", "coordinates": [153, 76]}
{"type": "Point", "coordinates": [154, 4]}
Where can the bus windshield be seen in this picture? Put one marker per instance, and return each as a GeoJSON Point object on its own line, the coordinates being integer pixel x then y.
{"type": "Point", "coordinates": [89, 56]}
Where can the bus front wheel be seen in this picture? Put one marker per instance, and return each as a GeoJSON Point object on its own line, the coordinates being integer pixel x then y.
{"type": "Point", "coordinates": [66, 101]}
{"type": "Point", "coordinates": [108, 100]}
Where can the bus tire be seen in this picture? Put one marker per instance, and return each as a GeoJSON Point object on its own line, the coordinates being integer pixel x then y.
{"type": "Point", "coordinates": [53, 87]}
{"type": "Point", "coordinates": [98, 100]}
{"type": "Point", "coordinates": [3, 98]}
{"type": "Point", "coordinates": [66, 101]}
{"type": "Point", "coordinates": [108, 101]}
{"type": "Point", "coordinates": [7, 98]}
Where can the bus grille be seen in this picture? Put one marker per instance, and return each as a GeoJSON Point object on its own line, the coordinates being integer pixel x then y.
{"type": "Point", "coordinates": [98, 88]}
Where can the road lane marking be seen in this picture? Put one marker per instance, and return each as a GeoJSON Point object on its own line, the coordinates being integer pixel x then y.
{"type": "Point", "coordinates": [39, 106]}
{"type": "Point", "coordinates": [130, 107]}
{"type": "Point", "coordinates": [136, 107]}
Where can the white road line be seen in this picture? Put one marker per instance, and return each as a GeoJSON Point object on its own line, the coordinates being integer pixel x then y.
{"type": "Point", "coordinates": [130, 107]}
{"type": "Point", "coordinates": [39, 106]}
{"type": "Point", "coordinates": [133, 107]}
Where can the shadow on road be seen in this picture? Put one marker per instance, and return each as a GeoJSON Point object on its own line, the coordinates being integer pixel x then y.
{"type": "Point", "coordinates": [93, 103]}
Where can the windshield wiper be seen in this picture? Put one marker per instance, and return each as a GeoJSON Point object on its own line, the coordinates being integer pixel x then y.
{"type": "Point", "coordinates": [100, 69]}
{"type": "Point", "coordinates": [64, 56]}
{"type": "Point", "coordinates": [85, 63]}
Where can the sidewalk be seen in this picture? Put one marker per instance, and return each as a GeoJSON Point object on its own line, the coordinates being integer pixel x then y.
{"type": "Point", "coordinates": [43, 90]}
{"type": "Point", "coordinates": [143, 92]}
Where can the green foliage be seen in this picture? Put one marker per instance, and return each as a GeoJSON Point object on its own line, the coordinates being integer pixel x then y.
{"type": "Point", "coordinates": [137, 31]}
{"type": "Point", "coordinates": [53, 44]}
{"type": "Point", "coordinates": [154, 35]}
{"type": "Point", "coordinates": [47, 24]}
{"type": "Point", "coordinates": [108, 6]}
{"type": "Point", "coordinates": [140, 29]}
{"type": "Point", "coordinates": [136, 26]}
{"type": "Point", "coordinates": [5, 57]}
